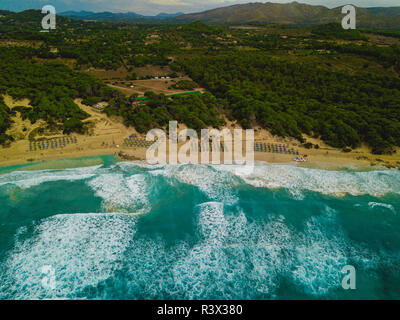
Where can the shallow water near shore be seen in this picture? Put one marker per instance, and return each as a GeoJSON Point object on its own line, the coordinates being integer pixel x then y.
{"type": "Point", "coordinates": [61, 164]}
{"type": "Point", "coordinates": [127, 230]}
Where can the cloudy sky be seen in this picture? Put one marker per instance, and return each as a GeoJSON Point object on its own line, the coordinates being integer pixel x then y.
{"type": "Point", "coordinates": [151, 7]}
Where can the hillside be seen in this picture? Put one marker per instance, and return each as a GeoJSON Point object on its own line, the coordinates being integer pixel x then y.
{"type": "Point", "coordinates": [293, 13]}
{"type": "Point", "coordinates": [339, 86]}
{"type": "Point", "coordinates": [29, 19]}
{"type": "Point", "coordinates": [117, 17]}
{"type": "Point", "coordinates": [385, 11]}
{"type": "Point", "coordinates": [259, 12]}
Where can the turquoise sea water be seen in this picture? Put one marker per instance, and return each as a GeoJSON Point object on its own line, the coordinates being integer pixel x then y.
{"type": "Point", "coordinates": [132, 231]}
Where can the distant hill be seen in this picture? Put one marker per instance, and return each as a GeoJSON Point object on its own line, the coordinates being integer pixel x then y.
{"type": "Point", "coordinates": [384, 11]}
{"type": "Point", "coordinates": [117, 17]}
{"type": "Point", "coordinates": [81, 14]}
{"type": "Point", "coordinates": [259, 12]}
{"type": "Point", "coordinates": [103, 16]}
{"type": "Point", "coordinates": [169, 15]}
{"type": "Point", "coordinates": [28, 19]}
{"type": "Point", "coordinates": [252, 13]}
{"type": "Point", "coordinates": [4, 13]}
{"type": "Point", "coordinates": [294, 13]}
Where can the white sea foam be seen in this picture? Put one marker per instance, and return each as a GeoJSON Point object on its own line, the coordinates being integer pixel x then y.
{"type": "Point", "coordinates": [233, 258]}
{"type": "Point", "coordinates": [211, 221]}
{"type": "Point", "coordinates": [83, 250]}
{"type": "Point", "coordinates": [372, 205]}
{"type": "Point", "coordinates": [219, 182]}
{"type": "Point", "coordinates": [27, 179]}
{"type": "Point", "coordinates": [128, 166]}
{"type": "Point", "coordinates": [216, 185]}
{"type": "Point", "coordinates": [205, 269]}
{"type": "Point", "coordinates": [236, 255]}
{"type": "Point", "coordinates": [320, 255]}
{"type": "Point", "coordinates": [270, 249]}
{"type": "Point", "coordinates": [296, 179]}
{"type": "Point", "coordinates": [119, 192]}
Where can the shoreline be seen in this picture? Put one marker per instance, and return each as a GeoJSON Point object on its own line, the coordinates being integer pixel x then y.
{"type": "Point", "coordinates": [60, 164]}
{"type": "Point", "coordinates": [70, 160]}
{"type": "Point", "coordinates": [107, 137]}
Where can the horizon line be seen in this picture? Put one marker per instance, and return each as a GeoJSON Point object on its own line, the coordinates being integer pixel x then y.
{"type": "Point", "coordinates": [217, 7]}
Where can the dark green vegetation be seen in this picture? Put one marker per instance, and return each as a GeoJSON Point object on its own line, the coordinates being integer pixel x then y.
{"type": "Point", "coordinates": [5, 121]}
{"type": "Point", "coordinates": [91, 44]}
{"type": "Point", "coordinates": [196, 111]}
{"type": "Point", "coordinates": [184, 85]}
{"type": "Point", "coordinates": [290, 99]}
{"type": "Point", "coordinates": [335, 31]}
{"type": "Point", "coordinates": [50, 87]}
{"type": "Point", "coordinates": [337, 85]}
{"type": "Point", "coordinates": [386, 33]}
{"type": "Point", "coordinates": [387, 56]}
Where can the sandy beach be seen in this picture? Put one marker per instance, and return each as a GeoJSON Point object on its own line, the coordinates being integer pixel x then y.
{"type": "Point", "coordinates": [107, 135]}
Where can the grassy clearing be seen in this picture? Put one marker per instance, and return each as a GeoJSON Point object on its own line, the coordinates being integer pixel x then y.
{"type": "Point", "coordinates": [23, 129]}
{"type": "Point", "coordinates": [68, 62]}
{"type": "Point", "coordinates": [343, 62]}
{"type": "Point", "coordinates": [20, 43]}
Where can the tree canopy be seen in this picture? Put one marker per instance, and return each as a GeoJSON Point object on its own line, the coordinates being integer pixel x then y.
{"type": "Point", "coordinates": [291, 99]}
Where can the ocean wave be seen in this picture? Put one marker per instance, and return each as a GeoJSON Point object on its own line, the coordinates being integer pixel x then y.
{"type": "Point", "coordinates": [238, 259]}
{"type": "Point", "coordinates": [211, 221]}
{"type": "Point", "coordinates": [28, 179]}
{"type": "Point", "coordinates": [82, 250]}
{"type": "Point", "coordinates": [372, 205]}
{"type": "Point", "coordinates": [217, 185]}
{"type": "Point", "coordinates": [295, 179]}
{"type": "Point", "coordinates": [127, 165]}
{"type": "Point", "coordinates": [233, 258]}
{"type": "Point", "coordinates": [220, 182]}
{"type": "Point", "coordinates": [229, 253]}
{"type": "Point", "coordinates": [122, 193]}
{"type": "Point", "coordinates": [320, 254]}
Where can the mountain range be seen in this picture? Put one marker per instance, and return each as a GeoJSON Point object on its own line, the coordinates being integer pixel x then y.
{"type": "Point", "coordinates": [254, 13]}
{"type": "Point", "coordinates": [122, 17]}
{"type": "Point", "coordinates": [294, 13]}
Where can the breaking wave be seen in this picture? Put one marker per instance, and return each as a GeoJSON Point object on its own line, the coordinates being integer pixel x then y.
{"type": "Point", "coordinates": [28, 179]}
{"type": "Point", "coordinates": [82, 249]}
{"type": "Point", "coordinates": [205, 241]}
{"type": "Point", "coordinates": [295, 179]}
{"type": "Point", "coordinates": [218, 183]}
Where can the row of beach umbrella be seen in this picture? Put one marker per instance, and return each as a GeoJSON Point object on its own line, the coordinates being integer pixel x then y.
{"type": "Point", "coordinates": [53, 143]}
